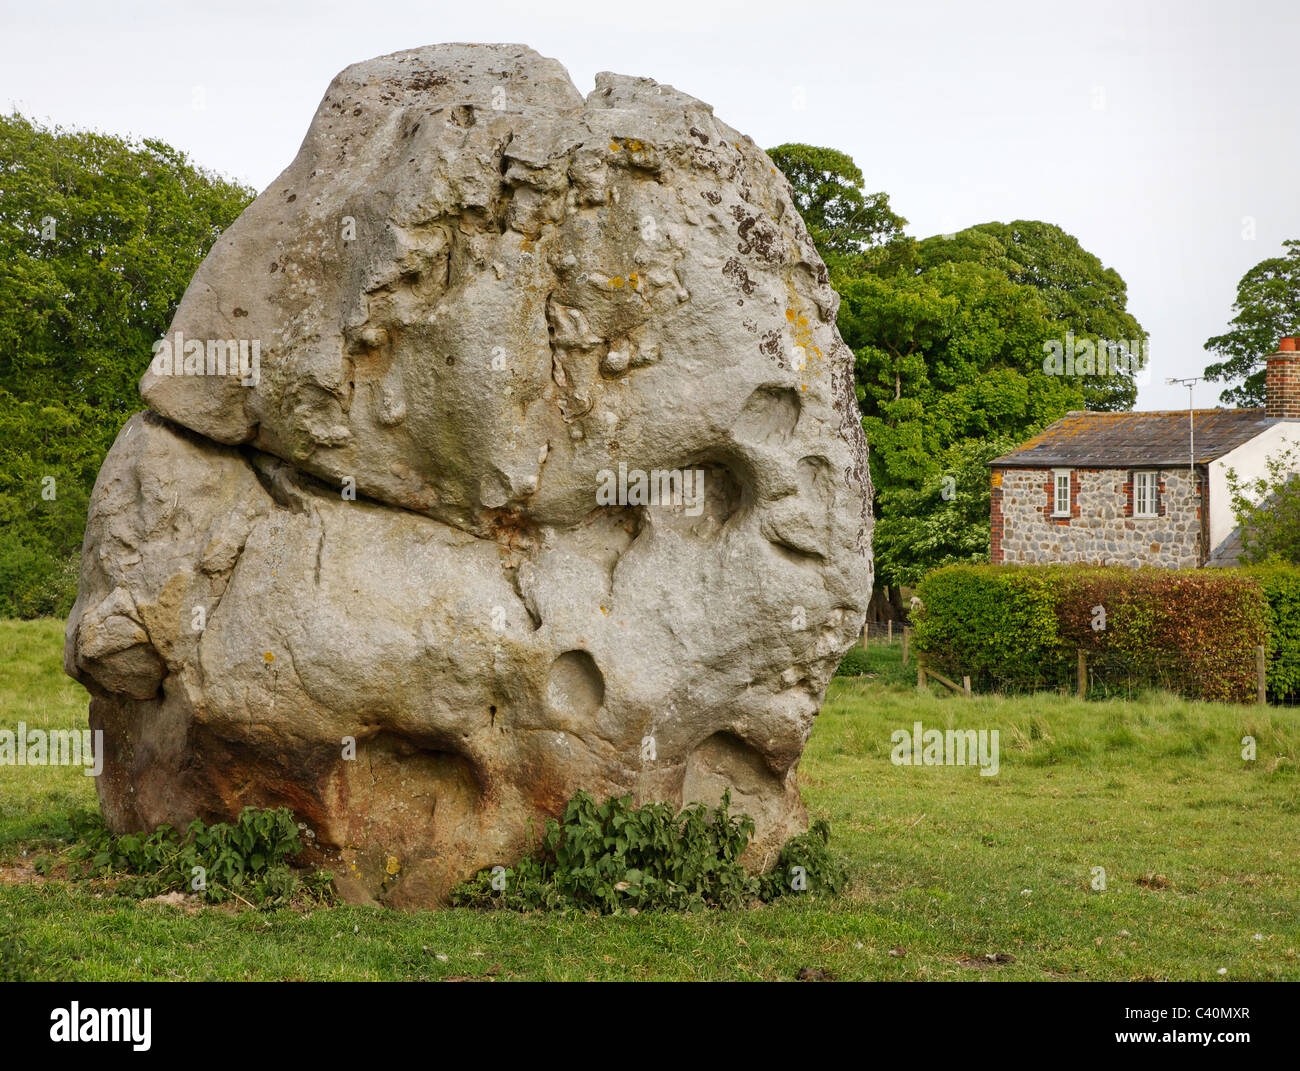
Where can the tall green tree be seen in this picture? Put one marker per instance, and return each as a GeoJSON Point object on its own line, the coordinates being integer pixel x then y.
{"type": "Point", "coordinates": [948, 362]}
{"type": "Point", "coordinates": [891, 325]}
{"type": "Point", "coordinates": [1267, 309]}
{"type": "Point", "coordinates": [945, 519]}
{"type": "Point", "coordinates": [1081, 293]}
{"type": "Point", "coordinates": [948, 336]}
{"type": "Point", "coordinates": [854, 231]}
{"type": "Point", "coordinates": [99, 237]}
{"type": "Point", "coordinates": [950, 354]}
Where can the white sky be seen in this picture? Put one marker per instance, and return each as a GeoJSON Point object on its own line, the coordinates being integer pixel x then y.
{"type": "Point", "coordinates": [1149, 130]}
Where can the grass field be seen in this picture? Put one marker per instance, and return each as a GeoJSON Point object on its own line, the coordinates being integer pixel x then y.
{"type": "Point", "coordinates": [1201, 852]}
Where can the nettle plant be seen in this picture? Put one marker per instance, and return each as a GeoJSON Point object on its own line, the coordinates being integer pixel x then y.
{"type": "Point", "coordinates": [614, 857]}
{"type": "Point", "coordinates": [248, 860]}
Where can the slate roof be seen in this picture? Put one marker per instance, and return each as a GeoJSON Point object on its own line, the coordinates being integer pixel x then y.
{"type": "Point", "coordinates": [1133, 440]}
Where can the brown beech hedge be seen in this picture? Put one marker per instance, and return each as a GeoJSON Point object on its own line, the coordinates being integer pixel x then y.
{"type": "Point", "coordinates": [1194, 632]}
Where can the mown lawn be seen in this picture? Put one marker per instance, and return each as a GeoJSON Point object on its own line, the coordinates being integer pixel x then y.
{"type": "Point", "coordinates": [1201, 852]}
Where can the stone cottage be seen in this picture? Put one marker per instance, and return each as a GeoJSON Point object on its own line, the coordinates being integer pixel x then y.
{"type": "Point", "coordinates": [1140, 488]}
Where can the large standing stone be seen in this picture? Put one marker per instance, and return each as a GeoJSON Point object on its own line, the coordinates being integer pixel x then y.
{"type": "Point", "coordinates": [473, 309]}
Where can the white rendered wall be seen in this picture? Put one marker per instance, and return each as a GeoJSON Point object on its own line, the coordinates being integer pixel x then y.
{"type": "Point", "coordinates": [1251, 462]}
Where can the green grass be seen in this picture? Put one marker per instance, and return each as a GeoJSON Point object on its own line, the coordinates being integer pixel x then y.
{"type": "Point", "coordinates": [36, 801]}
{"type": "Point", "coordinates": [1201, 852]}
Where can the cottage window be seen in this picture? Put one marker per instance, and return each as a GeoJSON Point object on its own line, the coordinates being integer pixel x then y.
{"type": "Point", "coordinates": [1061, 498]}
{"type": "Point", "coordinates": [1146, 491]}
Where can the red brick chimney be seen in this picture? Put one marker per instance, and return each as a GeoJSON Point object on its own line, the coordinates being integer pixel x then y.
{"type": "Point", "coordinates": [1282, 382]}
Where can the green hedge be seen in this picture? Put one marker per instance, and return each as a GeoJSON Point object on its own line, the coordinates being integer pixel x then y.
{"type": "Point", "coordinates": [1281, 587]}
{"type": "Point", "coordinates": [996, 623]}
{"type": "Point", "coordinates": [1020, 627]}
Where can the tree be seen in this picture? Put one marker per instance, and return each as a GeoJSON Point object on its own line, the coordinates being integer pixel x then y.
{"type": "Point", "coordinates": [1268, 509]}
{"type": "Point", "coordinates": [890, 324]}
{"type": "Point", "coordinates": [849, 227]}
{"type": "Point", "coordinates": [949, 355]}
{"type": "Point", "coordinates": [1267, 309]}
{"type": "Point", "coordinates": [945, 520]}
{"type": "Point", "coordinates": [948, 337]}
{"type": "Point", "coordinates": [99, 237]}
{"type": "Point", "coordinates": [1078, 291]}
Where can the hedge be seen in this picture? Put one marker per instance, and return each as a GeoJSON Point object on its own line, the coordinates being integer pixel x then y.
{"type": "Point", "coordinates": [1281, 587]}
{"type": "Point", "coordinates": [1011, 627]}
{"type": "Point", "coordinates": [996, 623]}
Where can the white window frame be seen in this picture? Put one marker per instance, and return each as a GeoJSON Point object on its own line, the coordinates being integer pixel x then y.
{"type": "Point", "coordinates": [1057, 509]}
{"type": "Point", "coordinates": [1150, 480]}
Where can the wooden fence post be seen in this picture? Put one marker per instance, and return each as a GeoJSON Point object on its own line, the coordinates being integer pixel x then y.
{"type": "Point", "coordinates": [865, 627]}
{"type": "Point", "coordinates": [965, 686]}
{"type": "Point", "coordinates": [1083, 674]}
{"type": "Point", "coordinates": [1261, 671]}
{"type": "Point", "coordinates": [920, 673]}
{"type": "Point", "coordinates": [890, 626]}
{"type": "Point", "coordinates": [907, 635]}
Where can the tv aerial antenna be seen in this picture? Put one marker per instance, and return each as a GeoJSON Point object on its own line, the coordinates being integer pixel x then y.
{"type": "Point", "coordinates": [1189, 383]}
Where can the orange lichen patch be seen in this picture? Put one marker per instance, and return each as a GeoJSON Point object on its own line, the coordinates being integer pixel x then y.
{"type": "Point", "coordinates": [633, 281]}
{"type": "Point", "coordinates": [268, 657]}
{"type": "Point", "coordinates": [637, 150]}
{"type": "Point", "coordinates": [802, 333]}
{"type": "Point", "coordinates": [616, 283]}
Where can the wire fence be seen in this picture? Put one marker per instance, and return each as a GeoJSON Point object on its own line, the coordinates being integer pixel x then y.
{"type": "Point", "coordinates": [1211, 676]}
{"type": "Point", "coordinates": [1227, 676]}
{"type": "Point", "coordinates": [1284, 679]}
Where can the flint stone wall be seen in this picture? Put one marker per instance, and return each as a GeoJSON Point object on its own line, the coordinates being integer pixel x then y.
{"type": "Point", "coordinates": [1101, 529]}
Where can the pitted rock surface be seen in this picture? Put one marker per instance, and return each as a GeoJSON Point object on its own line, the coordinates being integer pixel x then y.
{"type": "Point", "coordinates": [483, 306]}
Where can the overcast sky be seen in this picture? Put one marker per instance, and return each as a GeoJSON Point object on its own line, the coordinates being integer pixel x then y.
{"type": "Point", "coordinates": [1163, 135]}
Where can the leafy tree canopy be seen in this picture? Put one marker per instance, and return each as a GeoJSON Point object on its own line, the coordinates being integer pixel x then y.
{"type": "Point", "coordinates": [944, 520]}
{"type": "Point", "coordinates": [99, 237]}
{"type": "Point", "coordinates": [948, 336]}
{"type": "Point", "coordinates": [1267, 309]}
{"type": "Point", "coordinates": [851, 229]}
{"type": "Point", "coordinates": [948, 355]}
{"type": "Point", "coordinates": [1078, 291]}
